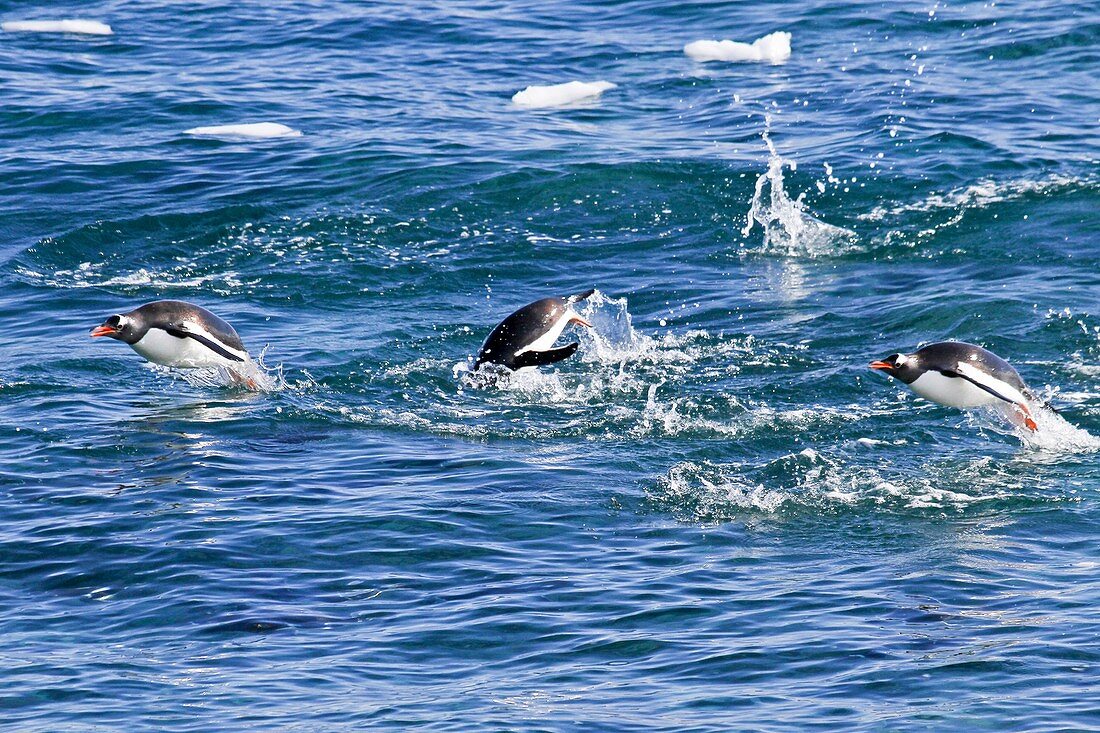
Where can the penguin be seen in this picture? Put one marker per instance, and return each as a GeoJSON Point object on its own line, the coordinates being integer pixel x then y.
{"type": "Point", "coordinates": [526, 338]}
{"type": "Point", "coordinates": [177, 334]}
{"type": "Point", "coordinates": [958, 374]}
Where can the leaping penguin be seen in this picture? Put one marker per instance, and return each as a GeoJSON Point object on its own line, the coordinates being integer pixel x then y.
{"type": "Point", "coordinates": [178, 334]}
{"type": "Point", "coordinates": [526, 338]}
{"type": "Point", "coordinates": [962, 375]}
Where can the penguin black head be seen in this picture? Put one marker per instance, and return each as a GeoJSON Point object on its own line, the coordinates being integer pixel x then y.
{"type": "Point", "coordinates": [118, 327]}
{"type": "Point", "coordinates": [900, 366]}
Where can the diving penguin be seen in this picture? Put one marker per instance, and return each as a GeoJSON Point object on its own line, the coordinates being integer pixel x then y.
{"type": "Point", "coordinates": [526, 338]}
{"type": "Point", "coordinates": [962, 375]}
{"type": "Point", "coordinates": [178, 334]}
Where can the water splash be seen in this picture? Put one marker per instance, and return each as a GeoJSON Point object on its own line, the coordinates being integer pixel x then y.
{"type": "Point", "coordinates": [252, 376]}
{"type": "Point", "coordinates": [788, 228]}
{"type": "Point", "coordinates": [611, 340]}
{"type": "Point", "coordinates": [612, 337]}
{"type": "Point", "coordinates": [1082, 337]}
{"type": "Point", "coordinates": [623, 381]}
{"type": "Point", "coordinates": [1054, 433]}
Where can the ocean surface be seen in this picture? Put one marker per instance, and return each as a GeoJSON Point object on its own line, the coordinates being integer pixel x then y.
{"type": "Point", "coordinates": [714, 517]}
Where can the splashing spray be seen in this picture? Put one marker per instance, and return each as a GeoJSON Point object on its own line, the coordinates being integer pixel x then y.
{"type": "Point", "coordinates": [788, 228]}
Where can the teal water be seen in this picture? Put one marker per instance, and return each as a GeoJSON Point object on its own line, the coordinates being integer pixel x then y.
{"type": "Point", "coordinates": [714, 518]}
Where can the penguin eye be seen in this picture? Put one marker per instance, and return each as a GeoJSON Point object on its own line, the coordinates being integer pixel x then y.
{"type": "Point", "coordinates": [114, 321]}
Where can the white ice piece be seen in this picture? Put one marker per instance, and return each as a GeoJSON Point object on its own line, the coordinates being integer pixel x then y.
{"type": "Point", "coordinates": [774, 48]}
{"type": "Point", "coordinates": [85, 27]}
{"type": "Point", "coordinates": [254, 130]}
{"type": "Point", "coordinates": [558, 95]}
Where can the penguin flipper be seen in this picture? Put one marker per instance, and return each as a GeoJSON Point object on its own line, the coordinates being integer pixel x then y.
{"type": "Point", "coordinates": [545, 358]}
{"type": "Point", "coordinates": [984, 387]}
{"type": "Point", "coordinates": [996, 387]}
{"type": "Point", "coordinates": [1013, 396]}
{"type": "Point", "coordinates": [214, 346]}
{"type": "Point", "coordinates": [571, 299]}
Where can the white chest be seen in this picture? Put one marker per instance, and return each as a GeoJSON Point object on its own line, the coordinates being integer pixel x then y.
{"type": "Point", "coordinates": [160, 347]}
{"type": "Point", "coordinates": [951, 391]}
{"type": "Point", "coordinates": [546, 341]}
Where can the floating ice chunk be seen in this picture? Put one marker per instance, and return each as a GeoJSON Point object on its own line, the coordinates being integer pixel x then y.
{"type": "Point", "coordinates": [773, 48]}
{"type": "Point", "coordinates": [558, 95]}
{"type": "Point", "coordinates": [255, 129]}
{"type": "Point", "coordinates": [86, 27]}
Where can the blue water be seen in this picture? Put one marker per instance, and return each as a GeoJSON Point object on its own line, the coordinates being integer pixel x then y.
{"type": "Point", "coordinates": [714, 518]}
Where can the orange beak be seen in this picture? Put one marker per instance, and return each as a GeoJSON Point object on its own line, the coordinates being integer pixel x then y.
{"type": "Point", "coordinates": [883, 365]}
{"type": "Point", "coordinates": [580, 321]}
{"type": "Point", "coordinates": [103, 331]}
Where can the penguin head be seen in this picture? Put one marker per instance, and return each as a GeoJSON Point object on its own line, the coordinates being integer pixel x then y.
{"type": "Point", "coordinates": [905, 367]}
{"type": "Point", "coordinates": [118, 327]}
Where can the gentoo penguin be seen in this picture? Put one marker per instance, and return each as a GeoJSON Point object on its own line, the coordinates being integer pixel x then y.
{"type": "Point", "coordinates": [177, 334]}
{"type": "Point", "coordinates": [526, 338]}
{"type": "Point", "coordinates": [962, 375]}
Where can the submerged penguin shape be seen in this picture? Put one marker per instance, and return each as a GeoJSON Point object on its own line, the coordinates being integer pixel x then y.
{"type": "Point", "coordinates": [962, 375]}
{"type": "Point", "coordinates": [526, 338]}
{"type": "Point", "coordinates": [177, 334]}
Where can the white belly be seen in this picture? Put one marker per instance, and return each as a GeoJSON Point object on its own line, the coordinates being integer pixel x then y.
{"type": "Point", "coordinates": [951, 391]}
{"type": "Point", "coordinates": [160, 347]}
{"type": "Point", "coordinates": [546, 341]}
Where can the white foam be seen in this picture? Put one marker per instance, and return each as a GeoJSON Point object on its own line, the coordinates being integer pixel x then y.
{"type": "Point", "coordinates": [83, 27]}
{"type": "Point", "coordinates": [641, 377]}
{"type": "Point", "coordinates": [1054, 434]}
{"type": "Point", "coordinates": [558, 95]}
{"type": "Point", "coordinates": [811, 479]}
{"type": "Point", "coordinates": [774, 48]}
{"type": "Point", "coordinates": [100, 275]}
{"type": "Point", "coordinates": [251, 130]}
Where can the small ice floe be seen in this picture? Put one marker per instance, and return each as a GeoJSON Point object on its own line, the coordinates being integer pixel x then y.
{"type": "Point", "coordinates": [558, 95]}
{"type": "Point", "coordinates": [85, 27]}
{"type": "Point", "coordinates": [774, 48]}
{"type": "Point", "coordinates": [252, 130]}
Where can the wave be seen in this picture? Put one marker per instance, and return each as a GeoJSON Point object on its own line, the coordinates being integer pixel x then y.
{"type": "Point", "coordinates": [812, 480]}
{"type": "Point", "coordinates": [97, 275]}
{"type": "Point", "coordinates": [985, 192]}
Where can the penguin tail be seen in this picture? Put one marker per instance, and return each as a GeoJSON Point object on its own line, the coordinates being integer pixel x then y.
{"type": "Point", "coordinates": [578, 297]}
